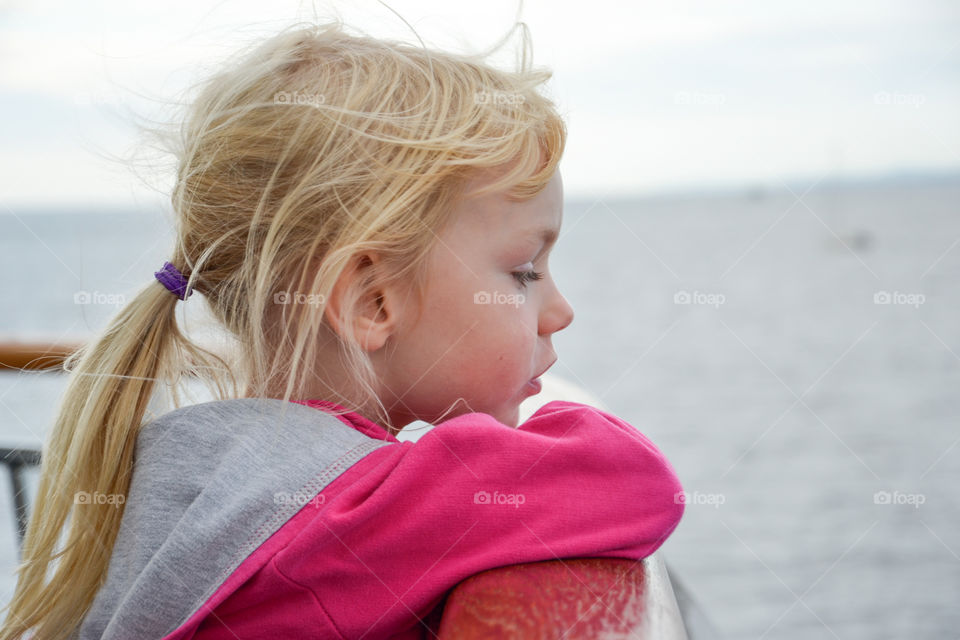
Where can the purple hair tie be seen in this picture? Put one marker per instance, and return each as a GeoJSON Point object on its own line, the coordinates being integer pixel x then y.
{"type": "Point", "coordinates": [173, 280]}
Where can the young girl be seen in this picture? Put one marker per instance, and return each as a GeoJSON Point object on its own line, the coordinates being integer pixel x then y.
{"type": "Point", "coordinates": [371, 222]}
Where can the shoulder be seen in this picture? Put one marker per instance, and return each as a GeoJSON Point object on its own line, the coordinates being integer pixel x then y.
{"type": "Point", "coordinates": [211, 483]}
{"type": "Point", "coordinates": [261, 444]}
{"type": "Point", "coordinates": [245, 421]}
{"type": "Point", "coordinates": [558, 432]}
{"type": "Point", "coordinates": [233, 412]}
{"type": "Point", "coordinates": [557, 418]}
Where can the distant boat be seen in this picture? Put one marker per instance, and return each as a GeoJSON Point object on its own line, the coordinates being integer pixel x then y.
{"type": "Point", "coordinates": [857, 240]}
{"type": "Point", "coordinates": [845, 235]}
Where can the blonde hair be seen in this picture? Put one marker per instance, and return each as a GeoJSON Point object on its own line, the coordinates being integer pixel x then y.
{"type": "Point", "coordinates": [312, 148]}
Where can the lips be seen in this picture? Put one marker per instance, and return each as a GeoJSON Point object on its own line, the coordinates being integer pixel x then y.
{"type": "Point", "coordinates": [545, 370]}
{"type": "Point", "coordinates": [534, 386]}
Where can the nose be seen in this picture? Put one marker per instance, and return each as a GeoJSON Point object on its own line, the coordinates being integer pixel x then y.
{"type": "Point", "coordinates": [557, 314]}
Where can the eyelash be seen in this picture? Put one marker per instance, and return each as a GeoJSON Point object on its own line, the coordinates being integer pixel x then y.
{"type": "Point", "coordinates": [523, 277]}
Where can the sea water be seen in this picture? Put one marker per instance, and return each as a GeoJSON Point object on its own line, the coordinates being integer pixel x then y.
{"type": "Point", "coordinates": [794, 353]}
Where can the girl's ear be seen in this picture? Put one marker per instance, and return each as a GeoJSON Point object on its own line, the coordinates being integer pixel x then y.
{"type": "Point", "coordinates": [376, 313]}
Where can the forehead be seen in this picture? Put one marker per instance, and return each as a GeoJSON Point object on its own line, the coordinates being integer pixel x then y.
{"type": "Point", "coordinates": [496, 216]}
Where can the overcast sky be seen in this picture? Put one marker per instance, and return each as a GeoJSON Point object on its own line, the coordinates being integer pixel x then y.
{"type": "Point", "coordinates": [657, 96]}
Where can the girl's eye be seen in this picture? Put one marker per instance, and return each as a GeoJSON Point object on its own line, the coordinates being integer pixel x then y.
{"type": "Point", "coordinates": [523, 277]}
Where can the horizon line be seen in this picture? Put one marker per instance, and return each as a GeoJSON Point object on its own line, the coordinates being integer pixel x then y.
{"type": "Point", "coordinates": [753, 187]}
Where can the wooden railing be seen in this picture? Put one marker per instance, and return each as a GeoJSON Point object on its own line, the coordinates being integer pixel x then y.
{"type": "Point", "coordinates": [34, 355]}
{"type": "Point", "coordinates": [569, 598]}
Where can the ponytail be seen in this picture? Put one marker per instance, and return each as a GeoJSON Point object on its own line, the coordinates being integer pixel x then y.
{"type": "Point", "coordinates": [88, 461]}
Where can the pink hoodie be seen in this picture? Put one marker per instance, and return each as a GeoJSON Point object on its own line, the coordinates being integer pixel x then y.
{"type": "Point", "coordinates": [374, 553]}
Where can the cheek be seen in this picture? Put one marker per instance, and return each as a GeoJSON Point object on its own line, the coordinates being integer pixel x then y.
{"type": "Point", "coordinates": [509, 336]}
